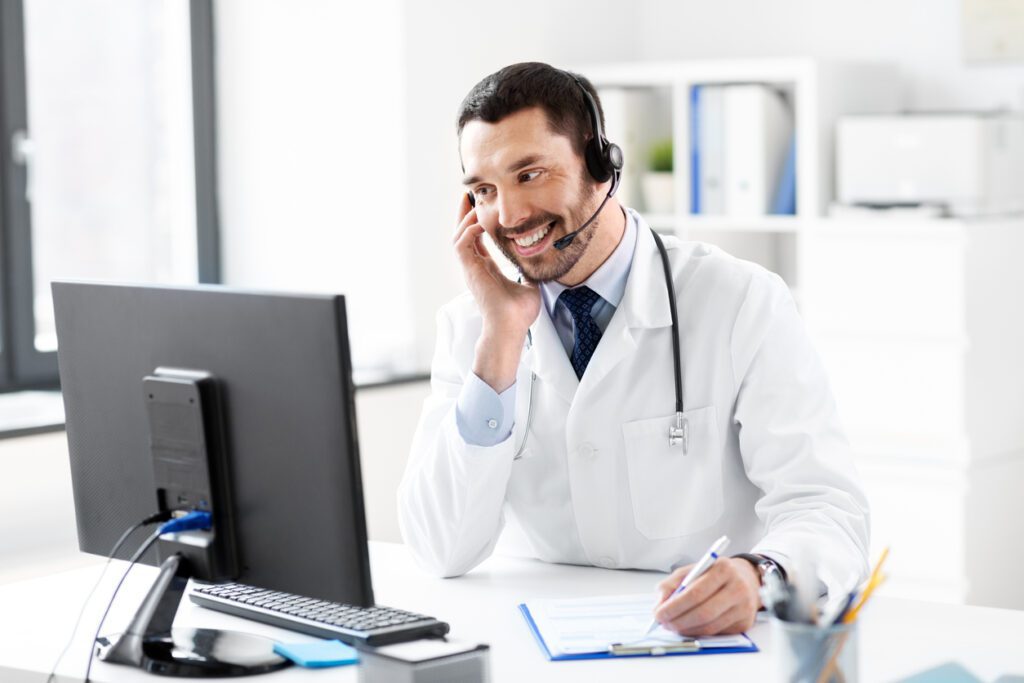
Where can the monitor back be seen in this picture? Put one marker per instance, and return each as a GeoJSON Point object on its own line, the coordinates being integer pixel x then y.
{"type": "Point", "coordinates": [283, 367]}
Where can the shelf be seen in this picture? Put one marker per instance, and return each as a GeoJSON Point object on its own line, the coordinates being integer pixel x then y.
{"type": "Point", "coordinates": [766, 224]}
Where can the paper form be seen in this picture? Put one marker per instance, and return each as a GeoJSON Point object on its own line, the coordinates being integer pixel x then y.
{"type": "Point", "coordinates": [585, 625]}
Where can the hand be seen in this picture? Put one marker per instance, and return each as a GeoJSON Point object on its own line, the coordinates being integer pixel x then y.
{"type": "Point", "coordinates": [508, 308]}
{"type": "Point", "coordinates": [723, 600]}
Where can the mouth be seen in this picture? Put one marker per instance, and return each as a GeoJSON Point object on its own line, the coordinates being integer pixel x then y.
{"type": "Point", "coordinates": [534, 242]}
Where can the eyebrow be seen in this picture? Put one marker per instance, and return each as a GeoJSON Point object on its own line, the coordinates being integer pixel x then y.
{"type": "Point", "coordinates": [522, 163]}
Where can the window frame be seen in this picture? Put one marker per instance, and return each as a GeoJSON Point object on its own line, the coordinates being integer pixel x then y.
{"type": "Point", "coordinates": [22, 366]}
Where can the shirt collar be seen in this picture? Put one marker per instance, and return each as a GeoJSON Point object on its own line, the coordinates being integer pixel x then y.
{"type": "Point", "coordinates": [609, 280]}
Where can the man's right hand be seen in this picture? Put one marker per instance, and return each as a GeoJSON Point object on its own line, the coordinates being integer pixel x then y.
{"type": "Point", "coordinates": [508, 308]}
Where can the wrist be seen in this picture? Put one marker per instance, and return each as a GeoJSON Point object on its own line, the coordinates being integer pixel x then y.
{"type": "Point", "coordinates": [763, 564]}
{"type": "Point", "coordinates": [497, 358]}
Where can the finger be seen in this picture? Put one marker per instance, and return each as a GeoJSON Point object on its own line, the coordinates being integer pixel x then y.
{"type": "Point", "coordinates": [693, 595]}
{"type": "Point", "coordinates": [465, 245]}
{"type": "Point", "coordinates": [721, 625]}
{"type": "Point", "coordinates": [474, 255]}
{"type": "Point", "coordinates": [707, 612]}
{"type": "Point", "coordinates": [671, 582]}
{"type": "Point", "coordinates": [460, 229]}
{"type": "Point", "coordinates": [464, 207]}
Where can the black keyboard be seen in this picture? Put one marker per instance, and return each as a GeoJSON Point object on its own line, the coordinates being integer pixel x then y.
{"type": "Point", "coordinates": [348, 623]}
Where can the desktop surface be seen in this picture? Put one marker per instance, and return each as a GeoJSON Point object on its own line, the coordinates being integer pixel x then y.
{"type": "Point", "coordinates": [897, 638]}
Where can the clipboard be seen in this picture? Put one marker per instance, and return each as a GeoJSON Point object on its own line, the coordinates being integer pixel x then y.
{"type": "Point", "coordinates": [689, 646]}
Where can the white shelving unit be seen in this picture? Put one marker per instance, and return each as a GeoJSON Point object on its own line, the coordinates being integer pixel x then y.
{"type": "Point", "coordinates": [919, 323]}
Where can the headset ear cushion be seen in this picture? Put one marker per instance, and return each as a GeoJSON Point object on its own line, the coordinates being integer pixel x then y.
{"type": "Point", "coordinates": [597, 163]}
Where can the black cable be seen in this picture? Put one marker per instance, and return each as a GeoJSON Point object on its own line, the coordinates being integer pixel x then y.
{"type": "Point", "coordinates": [152, 519]}
{"type": "Point", "coordinates": [131, 563]}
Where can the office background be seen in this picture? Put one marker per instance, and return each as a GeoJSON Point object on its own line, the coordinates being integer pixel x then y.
{"type": "Point", "coordinates": [336, 170]}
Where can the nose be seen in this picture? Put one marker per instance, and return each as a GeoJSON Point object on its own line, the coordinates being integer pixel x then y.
{"type": "Point", "coordinates": [512, 210]}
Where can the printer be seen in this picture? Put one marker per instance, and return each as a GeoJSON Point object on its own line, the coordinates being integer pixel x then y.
{"type": "Point", "coordinates": [970, 164]}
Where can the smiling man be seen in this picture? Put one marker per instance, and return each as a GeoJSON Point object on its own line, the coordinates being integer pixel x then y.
{"type": "Point", "coordinates": [554, 397]}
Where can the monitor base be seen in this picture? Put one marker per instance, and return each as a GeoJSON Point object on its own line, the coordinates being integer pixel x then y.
{"type": "Point", "coordinates": [201, 653]}
{"type": "Point", "coordinates": [152, 644]}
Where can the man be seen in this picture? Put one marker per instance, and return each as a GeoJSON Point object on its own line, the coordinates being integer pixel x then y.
{"type": "Point", "coordinates": [552, 397]}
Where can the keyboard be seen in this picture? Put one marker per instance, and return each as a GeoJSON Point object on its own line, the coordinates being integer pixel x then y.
{"type": "Point", "coordinates": [348, 623]}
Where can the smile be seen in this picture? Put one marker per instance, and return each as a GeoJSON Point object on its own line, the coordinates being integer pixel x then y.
{"type": "Point", "coordinates": [533, 238]}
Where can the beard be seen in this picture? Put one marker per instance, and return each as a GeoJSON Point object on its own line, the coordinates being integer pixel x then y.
{"type": "Point", "coordinates": [553, 263]}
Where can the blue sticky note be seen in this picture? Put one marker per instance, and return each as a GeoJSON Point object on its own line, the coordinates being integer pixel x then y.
{"type": "Point", "coordinates": [318, 655]}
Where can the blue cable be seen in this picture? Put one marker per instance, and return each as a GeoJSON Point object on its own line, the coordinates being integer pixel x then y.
{"type": "Point", "coordinates": [197, 519]}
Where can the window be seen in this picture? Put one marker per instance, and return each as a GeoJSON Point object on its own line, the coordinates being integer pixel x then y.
{"type": "Point", "coordinates": [108, 166]}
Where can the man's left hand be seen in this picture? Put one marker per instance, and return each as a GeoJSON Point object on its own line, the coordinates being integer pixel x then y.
{"type": "Point", "coordinates": [723, 600]}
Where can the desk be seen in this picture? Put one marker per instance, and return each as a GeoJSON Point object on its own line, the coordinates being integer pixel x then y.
{"type": "Point", "coordinates": [898, 637]}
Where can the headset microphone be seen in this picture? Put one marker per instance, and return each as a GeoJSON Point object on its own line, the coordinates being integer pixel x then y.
{"type": "Point", "coordinates": [563, 242]}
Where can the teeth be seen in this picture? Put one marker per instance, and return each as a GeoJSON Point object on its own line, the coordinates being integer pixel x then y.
{"type": "Point", "coordinates": [530, 240]}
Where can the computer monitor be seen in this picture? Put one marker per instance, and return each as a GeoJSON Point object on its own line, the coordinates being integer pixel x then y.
{"type": "Point", "coordinates": [281, 367]}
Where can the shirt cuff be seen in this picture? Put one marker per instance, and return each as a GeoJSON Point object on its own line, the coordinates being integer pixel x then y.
{"type": "Point", "coordinates": [484, 417]}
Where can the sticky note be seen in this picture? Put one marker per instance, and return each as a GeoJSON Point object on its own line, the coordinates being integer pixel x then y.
{"type": "Point", "coordinates": [318, 655]}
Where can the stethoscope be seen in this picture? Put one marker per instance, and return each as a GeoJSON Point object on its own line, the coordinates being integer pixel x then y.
{"type": "Point", "coordinates": [679, 429]}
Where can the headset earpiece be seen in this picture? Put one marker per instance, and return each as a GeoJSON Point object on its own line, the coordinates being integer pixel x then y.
{"type": "Point", "coordinates": [604, 159]}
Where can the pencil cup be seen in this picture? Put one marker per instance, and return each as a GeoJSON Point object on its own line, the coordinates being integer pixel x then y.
{"type": "Point", "coordinates": [806, 653]}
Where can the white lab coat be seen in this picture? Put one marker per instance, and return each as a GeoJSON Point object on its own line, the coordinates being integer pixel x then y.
{"type": "Point", "coordinates": [598, 483]}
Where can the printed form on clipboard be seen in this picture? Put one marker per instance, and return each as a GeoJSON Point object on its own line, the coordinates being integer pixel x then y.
{"type": "Point", "coordinates": [614, 626]}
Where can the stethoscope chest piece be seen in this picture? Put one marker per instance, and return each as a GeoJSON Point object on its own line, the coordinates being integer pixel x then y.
{"type": "Point", "coordinates": [679, 433]}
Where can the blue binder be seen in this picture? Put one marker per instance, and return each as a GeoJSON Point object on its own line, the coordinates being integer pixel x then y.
{"type": "Point", "coordinates": [617, 655]}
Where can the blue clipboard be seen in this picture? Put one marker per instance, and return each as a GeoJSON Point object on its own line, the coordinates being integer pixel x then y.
{"type": "Point", "coordinates": [610, 655]}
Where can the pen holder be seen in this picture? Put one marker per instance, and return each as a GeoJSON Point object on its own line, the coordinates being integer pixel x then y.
{"type": "Point", "coordinates": [806, 653]}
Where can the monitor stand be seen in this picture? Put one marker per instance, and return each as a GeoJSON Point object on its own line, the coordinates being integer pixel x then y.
{"type": "Point", "coordinates": [152, 644]}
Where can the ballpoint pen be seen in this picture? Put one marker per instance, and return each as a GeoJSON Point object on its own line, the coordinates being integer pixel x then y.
{"type": "Point", "coordinates": [703, 564]}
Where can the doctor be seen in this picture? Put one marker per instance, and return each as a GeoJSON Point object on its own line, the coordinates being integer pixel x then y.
{"type": "Point", "coordinates": [554, 398]}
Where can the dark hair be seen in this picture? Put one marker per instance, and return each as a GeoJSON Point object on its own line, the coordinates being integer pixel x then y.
{"type": "Point", "coordinates": [534, 84]}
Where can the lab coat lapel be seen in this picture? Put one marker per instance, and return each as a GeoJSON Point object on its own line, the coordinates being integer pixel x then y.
{"type": "Point", "coordinates": [549, 360]}
{"type": "Point", "coordinates": [644, 304]}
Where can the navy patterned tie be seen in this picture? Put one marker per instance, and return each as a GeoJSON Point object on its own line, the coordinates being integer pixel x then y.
{"type": "Point", "coordinates": [579, 301]}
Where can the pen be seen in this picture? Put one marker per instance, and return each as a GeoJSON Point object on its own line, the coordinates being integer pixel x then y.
{"type": "Point", "coordinates": [703, 564]}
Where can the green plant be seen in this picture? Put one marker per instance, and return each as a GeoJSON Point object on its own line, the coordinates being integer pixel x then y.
{"type": "Point", "coordinates": [660, 157]}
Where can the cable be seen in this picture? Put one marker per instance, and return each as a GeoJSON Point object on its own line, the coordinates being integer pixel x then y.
{"type": "Point", "coordinates": [152, 519]}
{"type": "Point", "coordinates": [193, 520]}
{"type": "Point", "coordinates": [131, 563]}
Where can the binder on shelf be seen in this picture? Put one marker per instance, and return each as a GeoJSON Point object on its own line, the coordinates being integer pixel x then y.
{"type": "Point", "coordinates": [743, 154]}
{"type": "Point", "coordinates": [757, 128]}
{"type": "Point", "coordinates": [711, 144]}
{"type": "Point", "coordinates": [785, 196]}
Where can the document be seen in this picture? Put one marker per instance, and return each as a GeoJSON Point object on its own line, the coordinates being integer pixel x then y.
{"type": "Point", "coordinates": [579, 626]}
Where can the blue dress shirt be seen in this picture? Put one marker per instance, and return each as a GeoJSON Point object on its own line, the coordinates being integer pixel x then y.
{"type": "Point", "coordinates": [485, 417]}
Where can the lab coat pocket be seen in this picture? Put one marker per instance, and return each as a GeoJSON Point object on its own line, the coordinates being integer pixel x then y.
{"type": "Point", "coordinates": [674, 493]}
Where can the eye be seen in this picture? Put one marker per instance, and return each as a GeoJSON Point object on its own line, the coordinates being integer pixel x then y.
{"type": "Point", "coordinates": [527, 176]}
{"type": "Point", "coordinates": [482, 192]}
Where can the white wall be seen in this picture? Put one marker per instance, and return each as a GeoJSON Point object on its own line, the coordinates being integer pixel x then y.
{"type": "Point", "coordinates": [311, 144]}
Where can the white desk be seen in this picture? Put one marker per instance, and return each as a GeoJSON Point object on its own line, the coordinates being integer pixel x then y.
{"type": "Point", "coordinates": [897, 637]}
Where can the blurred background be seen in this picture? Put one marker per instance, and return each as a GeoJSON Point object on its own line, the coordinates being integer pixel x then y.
{"type": "Point", "coordinates": [871, 153]}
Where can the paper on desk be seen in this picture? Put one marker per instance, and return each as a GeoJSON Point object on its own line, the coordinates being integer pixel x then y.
{"type": "Point", "coordinates": [582, 625]}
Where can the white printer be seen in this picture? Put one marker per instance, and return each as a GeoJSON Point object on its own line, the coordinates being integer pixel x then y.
{"type": "Point", "coordinates": [971, 164]}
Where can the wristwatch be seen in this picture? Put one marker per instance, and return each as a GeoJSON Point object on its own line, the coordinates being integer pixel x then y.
{"type": "Point", "coordinates": [764, 565]}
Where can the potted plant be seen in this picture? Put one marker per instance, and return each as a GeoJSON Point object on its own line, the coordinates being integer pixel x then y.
{"type": "Point", "coordinates": [659, 189]}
